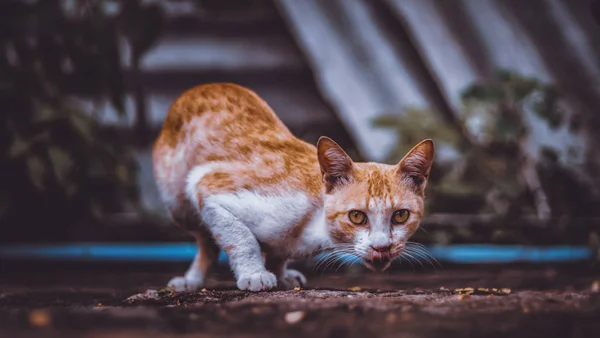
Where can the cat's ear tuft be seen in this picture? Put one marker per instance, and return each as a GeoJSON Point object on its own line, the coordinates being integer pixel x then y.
{"type": "Point", "coordinates": [416, 165]}
{"type": "Point", "coordinates": [336, 165]}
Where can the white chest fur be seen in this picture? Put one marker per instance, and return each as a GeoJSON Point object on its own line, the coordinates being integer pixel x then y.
{"type": "Point", "coordinates": [269, 217]}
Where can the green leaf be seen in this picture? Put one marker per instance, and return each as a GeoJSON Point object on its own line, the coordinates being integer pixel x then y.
{"type": "Point", "coordinates": [547, 107]}
{"type": "Point", "coordinates": [386, 121]}
{"type": "Point", "coordinates": [18, 147]}
{"type": "Point", "coordinates": [83, 126]}
{"type": "Point", "coordinates": [96, 209]}
{"type": "Point", "coordinates": [62, 164]}
{"type": "Point", "coordinates": [45, 113]}
{"type": "Point", "coordinates": [36, 171]}
{"type": "Point", "coordinates": [482, 92]}
{"type": "Point", "coordinates": [122, 173]}
{"type": "Point", "coordinates": [522, 87]}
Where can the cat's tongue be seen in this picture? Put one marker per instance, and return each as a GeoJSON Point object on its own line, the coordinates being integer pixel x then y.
{"type": "Point", "coordinates": [380, 264]}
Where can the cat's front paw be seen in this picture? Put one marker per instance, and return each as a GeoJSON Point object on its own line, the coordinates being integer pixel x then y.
{"type": "Point", "coordinates": [185, 284]}
{"type": "Point", "coordinates": [292, 278]}
{"type": "Point", "coordinates": [258, 281]}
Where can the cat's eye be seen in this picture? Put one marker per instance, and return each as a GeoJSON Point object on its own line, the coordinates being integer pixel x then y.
{"type": "Point", "coordinates": [400, 216]}
{"type": "Point", "coordinates": [357, 217]}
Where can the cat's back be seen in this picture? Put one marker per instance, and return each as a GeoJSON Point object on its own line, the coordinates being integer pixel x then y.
{"type": "Point", "coordinates": [215, 121]}
{"type": "Point", "coordinates": [218, 110]}
{"type": "Point", "coordinates": [221, 123]}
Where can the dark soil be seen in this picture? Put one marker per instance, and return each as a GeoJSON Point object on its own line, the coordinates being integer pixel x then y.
{"type": "Point", "coordinates": [129, 301]}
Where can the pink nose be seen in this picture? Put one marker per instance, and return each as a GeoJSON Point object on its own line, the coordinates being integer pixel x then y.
{"type": "Point", "coordinates": [381, 252]}
{"type": "Point", "coordinates": [381, 248]}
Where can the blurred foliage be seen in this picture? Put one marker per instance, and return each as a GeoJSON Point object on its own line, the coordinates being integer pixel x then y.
{"type": "Point", "coordinates": [141, 24]}
{"type": "Point", "coordinates": [487, 174]}
{"type": "Point", "coordinates": [60, 166]}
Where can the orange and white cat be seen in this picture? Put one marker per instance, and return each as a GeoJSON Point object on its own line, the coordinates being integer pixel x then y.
{"type": "Point", "coordinates": [234, 177]}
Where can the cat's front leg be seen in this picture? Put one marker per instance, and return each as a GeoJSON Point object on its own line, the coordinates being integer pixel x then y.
{"type": "Point", "coordinates": [288, 278]}
{"type": "Point", "coordinates": [241, 247]}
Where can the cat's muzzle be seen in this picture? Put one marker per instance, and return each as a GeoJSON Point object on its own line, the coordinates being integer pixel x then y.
{"type": "Point", "coordinates": [379, 260]}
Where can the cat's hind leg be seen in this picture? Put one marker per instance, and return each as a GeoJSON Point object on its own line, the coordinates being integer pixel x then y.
{"type": "Point", "coordinates": [206, 257]}
{"type": "Point", "coordinates": [187, 219]}
{"type": "Point", "coordinates": [288, 279]}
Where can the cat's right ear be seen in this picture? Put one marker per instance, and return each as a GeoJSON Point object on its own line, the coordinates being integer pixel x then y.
{"type": "Point", "coordinates": [336, 165]}
{"type": "Point", "coordinates": [414, 168]}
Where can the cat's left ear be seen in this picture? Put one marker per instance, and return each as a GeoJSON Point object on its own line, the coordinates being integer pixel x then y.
{"type": "Point", "coordinates": [336, 165]}
{"type": "Point", "coordinates": [414, 168]}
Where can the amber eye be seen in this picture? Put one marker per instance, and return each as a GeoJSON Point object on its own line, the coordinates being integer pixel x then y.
{"type": "Point", "coordinates": [400, 216]}
{"type": "Point", "coordinates": [357, 217]}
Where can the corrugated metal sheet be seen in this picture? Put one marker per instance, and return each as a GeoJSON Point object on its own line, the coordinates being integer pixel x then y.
{"type": "Point", "coordinates": [364, 71]}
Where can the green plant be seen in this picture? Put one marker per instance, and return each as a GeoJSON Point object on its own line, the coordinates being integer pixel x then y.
{"type": "Point", "coordinates": [496, 172]}
{"type": "Point", "coordinates": [59, 165]}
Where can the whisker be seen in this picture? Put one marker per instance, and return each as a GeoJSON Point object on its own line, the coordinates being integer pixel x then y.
{"type": "Point", "coordinates": [331, 254]}
{"type": "Point", "coordinates": [423, 256]}
{"type": "Point", "coordinates": [352, 255]}
{"type": "Point", "coordinates": [413, 257]}
{"type": "Point", "coordinates": [327, 259]}
{"type": "Point", "coordinates": [423, 249]}
{"type": "Point", "coordinates": [334, 259]}
{"type": "Point", "coordinates": [402, 255]}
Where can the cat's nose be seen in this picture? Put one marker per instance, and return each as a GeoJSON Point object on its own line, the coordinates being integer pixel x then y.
{"type": "Point", "coordinates": [381, 248]}
{"type": "Point", "coordinates": [381, 253]}
{"type": "Point", "coordinates": [380, 256]}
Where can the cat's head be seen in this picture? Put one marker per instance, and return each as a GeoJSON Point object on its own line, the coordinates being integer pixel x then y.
{"type": "Point", "coordinates": [372, 209]}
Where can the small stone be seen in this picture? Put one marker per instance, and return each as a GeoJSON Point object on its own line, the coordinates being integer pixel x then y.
{"type": "Point", "coordinates": [39, 318]}
{"type": "Point", "coordinates": [505, 291]}
{"type": "Point", "coordinates": [203, 290]}
{"type": "Point", "coordinates": [354, 289]}
{"type": "Point", "coordinates": [297, 288]}
{"type": "Point", "coordinates": [294, 317]}
{"type": "Point", "coordinates": [465, 290]}
{"type": "Point", "coordinates": [407, 316]}
{"type": "Point", "coordinates": [148, 294]}
{"type": "Point", "coordinates": [464, 296]}
{"type": "Point", "coordinates": [595, 288]}
{"type": "Point", "coordinates": [390, 318]}
{"type": "Point", "coordinates": [260, 310]}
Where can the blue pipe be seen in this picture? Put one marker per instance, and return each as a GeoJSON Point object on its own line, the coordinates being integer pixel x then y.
{"type": "Point", "coordinates": [184, 252]}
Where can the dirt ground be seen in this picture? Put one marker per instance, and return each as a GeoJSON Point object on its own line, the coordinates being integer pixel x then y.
{"type": "Point", "coordinates": [47, 300]}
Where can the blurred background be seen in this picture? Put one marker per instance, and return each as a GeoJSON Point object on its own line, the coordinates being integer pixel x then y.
{"type": "Point", "coordinates": [508, 89]}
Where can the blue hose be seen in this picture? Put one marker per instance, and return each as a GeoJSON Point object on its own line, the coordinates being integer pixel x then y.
{"type": "Point", "coordinates": [184, 252]}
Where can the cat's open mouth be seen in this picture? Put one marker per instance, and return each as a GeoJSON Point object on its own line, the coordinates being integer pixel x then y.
{"type": "Point", "coordinates": [378, 260]}
{"type": "Point", "coordinates": [377, 265]}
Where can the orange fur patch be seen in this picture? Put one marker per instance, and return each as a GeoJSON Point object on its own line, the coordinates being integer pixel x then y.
{"type": "Point", "coordinates": [239, 128]}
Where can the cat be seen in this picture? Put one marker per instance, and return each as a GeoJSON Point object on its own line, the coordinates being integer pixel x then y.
{"type": "Point", "coordinates": [234, 177]}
